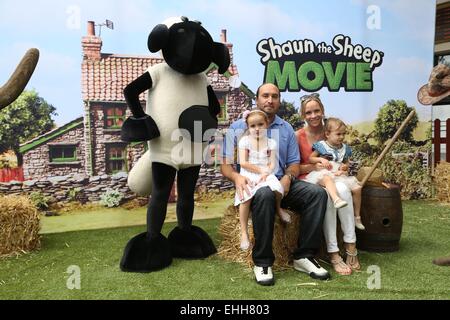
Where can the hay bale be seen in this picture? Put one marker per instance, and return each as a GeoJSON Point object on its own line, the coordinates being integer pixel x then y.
{"type": "Point", "coordinates": [442, 182]}
{"type": "Point", "coordinates": [19, 226]}
{"type": "Point", "coordinates": [284, 240]}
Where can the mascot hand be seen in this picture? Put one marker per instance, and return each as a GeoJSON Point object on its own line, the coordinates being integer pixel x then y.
{"type": "Point", "coordinates": [139, 129]}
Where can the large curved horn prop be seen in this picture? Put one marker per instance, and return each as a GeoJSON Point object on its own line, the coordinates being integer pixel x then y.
{"type": "Point", "coordinates": [19, 79]}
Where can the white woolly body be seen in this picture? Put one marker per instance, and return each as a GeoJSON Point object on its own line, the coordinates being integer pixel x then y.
{"type": "Point", "coordinates": [171, 94]}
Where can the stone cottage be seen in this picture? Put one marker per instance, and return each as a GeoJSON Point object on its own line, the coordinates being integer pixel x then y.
{"type": "Point", "coordinates": [91, 145]}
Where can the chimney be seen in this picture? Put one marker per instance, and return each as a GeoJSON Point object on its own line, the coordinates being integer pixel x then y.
{"type": "Point", "coordinates": [223, 36]}
{"type": "Point", "coordinates": [91, 44]}
{"type": "Point", "coordinates": [91, 28]}
{"type": "Point", "coordinates": [223, 39]}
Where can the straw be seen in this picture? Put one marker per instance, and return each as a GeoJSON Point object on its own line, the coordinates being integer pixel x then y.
{"type": "Point", "coordinates": [19, 226]}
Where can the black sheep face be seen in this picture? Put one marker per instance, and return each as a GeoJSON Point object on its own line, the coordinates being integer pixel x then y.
{"type": "Point", "coordinates": [190, 48]}
{"type": "Point", "coordinates": [187, 47]}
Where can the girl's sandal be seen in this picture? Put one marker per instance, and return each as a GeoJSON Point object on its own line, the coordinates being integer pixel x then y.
{"type": "Point", "coordinates": [352, 260]}
{"type": "Point", "coordinates": [341, 267]}
{"type": "Point", "coordinates": [358, 223]}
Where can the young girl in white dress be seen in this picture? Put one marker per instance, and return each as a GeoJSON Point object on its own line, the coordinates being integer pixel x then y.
{"type": "Point", "coordinates": [334, 156]}
{"type": "Point", "coordinates": [258, 161]}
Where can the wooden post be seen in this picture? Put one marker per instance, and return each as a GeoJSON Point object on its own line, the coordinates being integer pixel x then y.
{"type": "Point", "coordinates": [388, 147]}
{"type": "Point", "coordinates": [437, 142]}
{"type": "Point", "coordinates": [447, 140]}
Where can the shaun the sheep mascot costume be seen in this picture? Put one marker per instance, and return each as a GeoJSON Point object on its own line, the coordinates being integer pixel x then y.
{"type": "Point", "coordinates": [181, 110]}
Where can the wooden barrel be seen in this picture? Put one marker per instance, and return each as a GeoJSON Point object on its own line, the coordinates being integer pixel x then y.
{"type": "Point", "coordinates": [382, 215]}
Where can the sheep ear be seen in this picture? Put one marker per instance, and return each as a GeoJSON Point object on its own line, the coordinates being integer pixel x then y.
{"type": "Point", "coordinates": [158, 38]}
{"type": "Point", "coordinates": [221, 57]}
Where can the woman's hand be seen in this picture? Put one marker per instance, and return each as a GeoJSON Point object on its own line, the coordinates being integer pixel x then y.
{"type": "Point", "coordinates": [344, 167]}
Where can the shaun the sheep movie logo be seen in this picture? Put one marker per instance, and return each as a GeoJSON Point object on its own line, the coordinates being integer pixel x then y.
{"type": "Point", "coordinates": [303, 65]}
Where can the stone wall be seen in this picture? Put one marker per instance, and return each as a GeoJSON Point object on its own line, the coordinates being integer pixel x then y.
{"type": "Point", "coordinates": [58, 187]}
{"type": "Point", "coordinates": [210, 179]}
{"type": "Point", "coordinates": [237, 103]}
{"type": "Point", "coordinates": [91, 188]}
{"type": "Point", "coordinates": [36, 162]}
{"type": "Point", "coordinates": [134, 153]}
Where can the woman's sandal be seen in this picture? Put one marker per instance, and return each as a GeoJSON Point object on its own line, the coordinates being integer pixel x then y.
{"type": "Point", "coordinates": [352, 260]}
{"type": "Point", "coordinates": [341, 267]}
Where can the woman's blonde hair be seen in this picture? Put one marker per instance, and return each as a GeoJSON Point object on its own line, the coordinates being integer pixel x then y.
{"type": "Point", "coordinates": [305, 99]}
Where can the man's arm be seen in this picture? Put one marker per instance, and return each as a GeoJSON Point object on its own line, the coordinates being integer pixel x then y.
{"type": "Point", "coordinates": [292, 162]}
{"type": "Point", "coordinates": [226, 168]}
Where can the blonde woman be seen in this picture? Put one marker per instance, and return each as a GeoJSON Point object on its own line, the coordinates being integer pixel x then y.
{"type": "Point", "coordinates": [313, 112]}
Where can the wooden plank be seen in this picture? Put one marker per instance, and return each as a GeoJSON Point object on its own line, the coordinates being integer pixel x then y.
{"type": "Point", "coordinates": [437, 136]}
{"type": "Point", "coordinates": [447, 142]}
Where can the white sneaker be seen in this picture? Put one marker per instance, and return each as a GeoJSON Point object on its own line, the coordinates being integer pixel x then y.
{"type": "Point", "coordinates": [311, 267]}
{"type": "Point", "coordinates": [264, 275]}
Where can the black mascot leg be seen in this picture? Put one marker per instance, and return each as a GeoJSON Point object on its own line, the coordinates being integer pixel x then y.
{"type": "Point", "coordinates": [150, 251]}
{"type": "Point", "coordinates": [188, 241]}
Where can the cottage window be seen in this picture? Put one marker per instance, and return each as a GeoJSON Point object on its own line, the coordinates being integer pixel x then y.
{"type": "Point", "coordinates": [442, 23]}
{"type": "Point", "coordinates": [63, 154]}
{"type": "Point", "coordinates": [116, 159]}
{"type": "Point", "coordinates": [222, 97]}
{"type": "Point", "coordinates": [115, 117]}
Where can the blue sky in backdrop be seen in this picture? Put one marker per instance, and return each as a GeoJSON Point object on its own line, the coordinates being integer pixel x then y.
{"type": "Point", "coordinates": [405, 35]}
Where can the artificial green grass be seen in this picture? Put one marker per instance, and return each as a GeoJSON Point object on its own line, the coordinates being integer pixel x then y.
{"type": "Point", "coordinates": [103, 217]}
{"type": "Point", "coordinates": [406, 274]}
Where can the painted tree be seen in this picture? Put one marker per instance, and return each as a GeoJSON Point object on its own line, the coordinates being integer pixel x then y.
{"type": "Point", "coordinates": [389, 119]}
{"type": "Point", "coordinates": [24, 119]}
{"type": "Point", "coordinates": [290, 114]}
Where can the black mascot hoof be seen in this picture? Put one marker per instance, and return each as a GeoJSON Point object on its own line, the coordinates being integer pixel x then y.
{"type": "Point", "coordinates": [145, 255]}
{"type": "Point", "coordinates": [136, 130]}
{"type": "Point", "coordinates": [191, 244]}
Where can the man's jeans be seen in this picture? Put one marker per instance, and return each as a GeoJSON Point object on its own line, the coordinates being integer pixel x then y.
{"type": "Point", "coordinates": [308, 200]}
